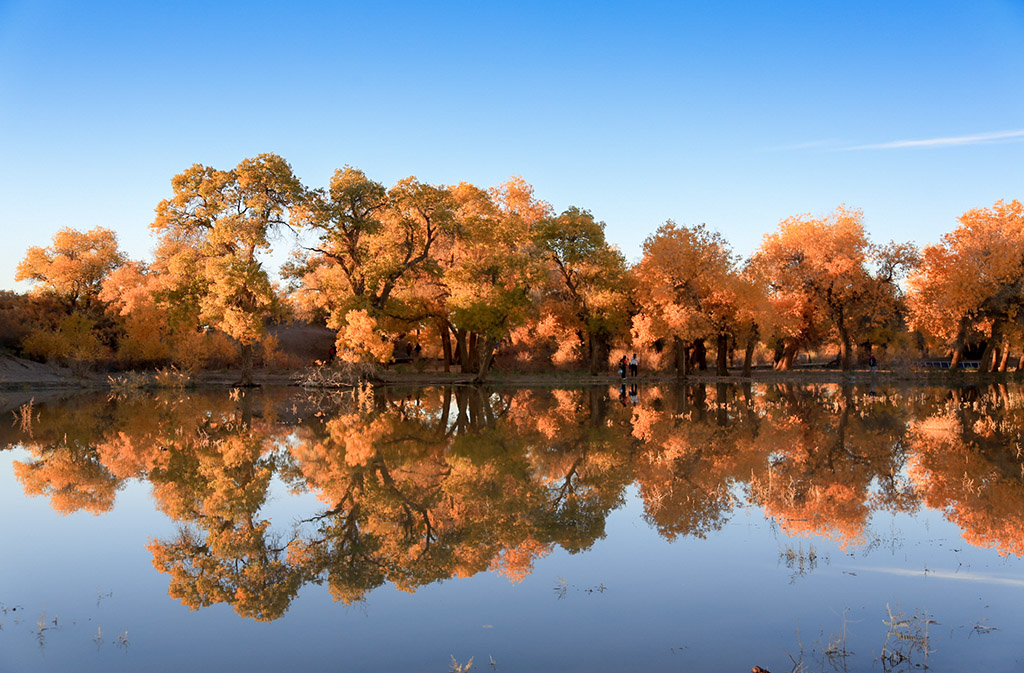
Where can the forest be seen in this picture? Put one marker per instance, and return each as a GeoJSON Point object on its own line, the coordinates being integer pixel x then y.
{"type": "Point", "coordinates": [470, 279]}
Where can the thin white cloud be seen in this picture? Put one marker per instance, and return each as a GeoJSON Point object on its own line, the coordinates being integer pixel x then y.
{"type": "Point", "coordinates": [977, 139]}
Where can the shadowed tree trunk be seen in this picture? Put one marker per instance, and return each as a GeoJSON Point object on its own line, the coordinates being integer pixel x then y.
{"type": "Point", "coordinates": [245, 378]}
{"type": "Point", "coordinates": [845, 347]}
{"type": "Point", "coordinates": [699, 355]}
{"type": "Point", "coordinates": [446, 345]}
{"type": "Point", "coordinates": [460, 347]}
{"type": "Point", "coordinates": [471, 353]}
{"type": "Point", "coordinates": [597, 349]}
{"type": "Point", "coordinates": [486, 358]}
{"type": "Point", "coordinates": [682, 358]}
{"type": "Point", "coordinates": [988, 357]}
{"type": "Point", "coordinates": [748, 354]}
{"type": "Point", "coordinates": [722, 355]}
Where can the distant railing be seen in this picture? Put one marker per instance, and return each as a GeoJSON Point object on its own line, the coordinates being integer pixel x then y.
{"type": "Point", "coordinates": [944, 364]}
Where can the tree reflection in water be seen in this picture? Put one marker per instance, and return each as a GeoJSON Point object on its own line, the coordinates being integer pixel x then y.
{"type": "Point", "coordinates": [422, 485]}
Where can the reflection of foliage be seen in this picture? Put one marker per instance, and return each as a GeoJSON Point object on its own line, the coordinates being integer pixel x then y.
{"type": "Point", "coordinates": [421, 486]}
{"type": "Point", "coordinates": [65, 465]}
{"type": "Point", "coordinates": [827, 447]}
{"type": "Point", "coordinates": [695, 458]}
{"type": "Point", "coordinates": [968, 462]}
{"type": "Point", "coordinates": [451, 485]}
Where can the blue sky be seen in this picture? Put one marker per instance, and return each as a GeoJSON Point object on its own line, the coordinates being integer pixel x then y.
{"type": "Point", "coordinates": [700, 112]}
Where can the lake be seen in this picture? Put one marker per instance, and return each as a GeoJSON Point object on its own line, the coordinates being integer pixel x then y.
{"type": "Point", "coordinates": [662, 528]}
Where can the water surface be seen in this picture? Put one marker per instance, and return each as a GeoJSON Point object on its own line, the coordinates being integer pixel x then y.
{"type": "Point", "coordinates": [662, 529]}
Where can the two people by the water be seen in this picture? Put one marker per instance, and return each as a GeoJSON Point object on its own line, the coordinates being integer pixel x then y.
{"type": "Point", "coordinates": [632, 365]}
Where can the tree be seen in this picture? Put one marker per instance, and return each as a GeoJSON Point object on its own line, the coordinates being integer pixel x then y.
{"type": "Point", "coordinates": [586, 280]}
{"type": "Point", "coordinates": [970, 287]}
{"type": "Point", "coordinates": [73, 267]}
{"type": "Point", "coordinates": [819, 281]}
{"type": "Point", "coordinates": [490, 280]}
{"type": "Point", "coordinates": [688, 289]}
{"type": "Point", "coordinates": [212, 232]}
{"type": "Point", "coordinates": [71, 272]}
{"type": "Point", "coordinates": [371, 245]}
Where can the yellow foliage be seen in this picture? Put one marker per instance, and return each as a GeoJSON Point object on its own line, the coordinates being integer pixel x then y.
{"type": "Point", "coordinates": [359, 339]}
{"type": "Point", "coordinates": [74, 266]}
{"type": "Point", "coordinates": [74, 339]}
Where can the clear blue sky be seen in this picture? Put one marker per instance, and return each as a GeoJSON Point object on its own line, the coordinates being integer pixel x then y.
{"type": "Point", "coordinates": [700, 112]}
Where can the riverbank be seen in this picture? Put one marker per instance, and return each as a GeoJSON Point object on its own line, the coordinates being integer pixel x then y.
{"type": "Point", "coordinates": [17, 374]}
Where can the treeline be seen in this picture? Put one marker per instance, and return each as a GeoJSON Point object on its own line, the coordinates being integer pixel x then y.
{"type": "Point", "coordinates": [465, 274]}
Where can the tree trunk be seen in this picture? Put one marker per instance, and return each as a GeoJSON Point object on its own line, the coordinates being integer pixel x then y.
{"type": "Point", "coordinates": [699, 356]}
{"type": "Point", "coordinates": [682, 357]}
{"type": "Point", "coordinates": [486, 358]}
{"type": "Point", "coordinates": [1006, 355]}
{"type": "Point", "coordinates": [958, 347]}
{"type": "Point", "coordinates": [722, 355]}
{"type": "Point", "coordinates": [845, 347]}
{"type": "Point", "coordinates": [596, 349]}
{"type": "Point", "coordinates": [785, 362]}
{"type": "Point", "coordinates": [446, 345]}
{"type": "Point", "coordinates": [245, 379]}
{"type": "Point", "coordinates": [748, 354]}
{"type": "Point", "coordinates": [954, 361]}
{"type": "Point", "coordinates": [471, 359]}
{"type": "Point", "coordinates": [988, 358]}
{"type": "Point", "coordinates": [460, 348]}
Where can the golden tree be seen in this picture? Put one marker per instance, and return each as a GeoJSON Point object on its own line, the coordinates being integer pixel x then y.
{"type": "Point", "coordinates": [970, 287]}
{"type": "Point", "coordinates": [371, 245]}
{"type": "Point", "coordinates": [73, 267]}
{"type": "Point", "coordinates": [587, 282]}
{"type": "Point", "coordinates": [489, 281]}
{"type": "Point", "coordinates": [213, 231]}
{"type": "Point", "coordinates": [817, 270]}
{"type": "Point", "coordinates": [71, 272]}
{"type": "Point", "coordinates": [688, 289]}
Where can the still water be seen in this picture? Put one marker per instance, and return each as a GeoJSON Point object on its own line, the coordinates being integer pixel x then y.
{"type": "Point", "coordinates": [701, 528]}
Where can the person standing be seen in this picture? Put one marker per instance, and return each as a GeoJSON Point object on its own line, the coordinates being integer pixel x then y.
{"type": "Point", "coordinates": [622, 367]}
{"type": "Point", "coordinates": [634, 365]}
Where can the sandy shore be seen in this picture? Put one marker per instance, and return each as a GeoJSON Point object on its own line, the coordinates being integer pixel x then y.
{"type": "Point", "coordinates": [17, 374]}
